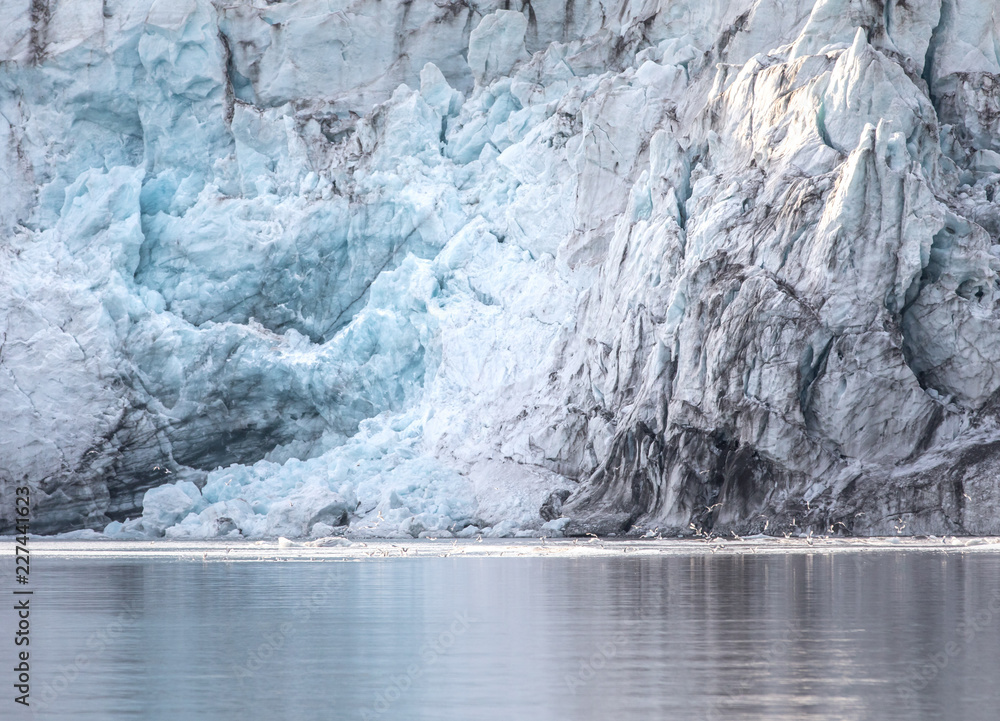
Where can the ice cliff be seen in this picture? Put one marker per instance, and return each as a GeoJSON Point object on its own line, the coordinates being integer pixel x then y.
{"type": "Point", "coordinates": [462, 267]}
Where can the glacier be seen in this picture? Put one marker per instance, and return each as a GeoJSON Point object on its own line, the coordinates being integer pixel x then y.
{"type": "Point", "coordinates": [400, 268]}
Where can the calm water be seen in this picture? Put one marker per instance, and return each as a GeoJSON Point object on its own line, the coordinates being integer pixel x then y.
{"type": "Point", "coordinates": [806, 636]}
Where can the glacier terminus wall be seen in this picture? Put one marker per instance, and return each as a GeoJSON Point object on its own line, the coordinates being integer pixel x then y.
{"type": "Point", "coordinates": [463, 267]}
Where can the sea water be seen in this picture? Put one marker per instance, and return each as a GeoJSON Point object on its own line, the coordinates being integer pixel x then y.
{"type": "Point", "coordinates": [807, 635]}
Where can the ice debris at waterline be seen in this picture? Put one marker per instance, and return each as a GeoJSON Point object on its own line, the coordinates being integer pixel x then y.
{"type": "Point", "coordinates": [402, 268]}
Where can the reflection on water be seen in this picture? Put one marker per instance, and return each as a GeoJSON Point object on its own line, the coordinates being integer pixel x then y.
{"type": "Point", "coordinates": [850, 636]}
